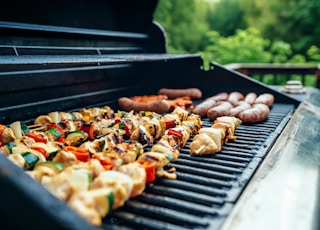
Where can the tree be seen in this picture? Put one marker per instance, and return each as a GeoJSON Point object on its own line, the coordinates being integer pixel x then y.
{"type": "Point", "coordinates": [292, 21]}
{"type": "Point", "coordinates": [226, 17]}
{"type": "Point", "coordinates": [185, 24]}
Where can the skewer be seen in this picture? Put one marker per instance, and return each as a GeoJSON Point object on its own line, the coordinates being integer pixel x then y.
{"type": "Point", "coordinates": [33, 126]}
{"type": "Point", "coordinates": [36, 127]}
{"type": "Point", "coordinates": [168, 174]}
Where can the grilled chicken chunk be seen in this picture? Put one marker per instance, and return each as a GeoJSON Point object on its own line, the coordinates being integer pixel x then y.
{"type": "Point", "coordinates": [138, 175]}
{"type": "Point", "coordinates": [120, 184]}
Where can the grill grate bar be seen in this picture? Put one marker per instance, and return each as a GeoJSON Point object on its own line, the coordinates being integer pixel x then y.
{"type": "Point", "coordinates": [136, 221]}
{"type": "Point", "coordinates": [203, 180]}
{"type": "Point", "coordinates": [231, 158]}
{"type": "Point", "coordinates": [211, 191]}
{"type": "Point", "coordinates": [182, 205]}
{"type": "Point", "coordinates": [165, 214]}
{"type": "Point", "coordinates": [210, 160]}
{"type": "Point", "coordinates": [185, 195]}
{"type": "Point", "coordinates": [204, 166]}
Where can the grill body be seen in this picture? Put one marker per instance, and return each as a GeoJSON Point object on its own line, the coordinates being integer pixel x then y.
{"type": "Point", "coordinates": [67, 63]}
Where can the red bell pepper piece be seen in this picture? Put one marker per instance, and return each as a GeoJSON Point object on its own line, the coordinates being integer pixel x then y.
{"type": "Point", "coordinates": [36, 137]}
{"type": "Point", "coordinates": [150, 168]}
{"type": "Point", "coordinates": [80, 153]}
{"type": "Point", "coordinates": [170, 124]}
{"type": "Point", "coordinates": [42, 151]}
{"type": "Point", "coordinates": [107, 164]}
{"type": "Point", "coordinates": [88, 128]}
{"type": "Point", "coordinates": [116, 121]}
{"type": "Point", "coordinates": [175, 133]}
{"type": "Point", "coordinates": [128, 133]}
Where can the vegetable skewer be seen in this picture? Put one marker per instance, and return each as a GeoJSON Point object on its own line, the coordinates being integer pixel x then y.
{"type": "Point", "coordinates": [75, 167]}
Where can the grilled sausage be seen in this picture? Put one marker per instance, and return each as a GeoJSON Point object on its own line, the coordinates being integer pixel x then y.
{"type": "Point", "coordinates": [265, 98]}
{"type": "Point", "coordinates": [221, 109]}
{"type": "Point", "coordinates": [250, 98]}
{"type": "Point", "coordinates": [193, 93]}
{"type": "Point", "coordinates": [161, 106]}
{"type": "Point", "coordinates": [242, 105]}
{"type": "Point", "coordinates": [235, 97]}
{"type": "Point", "coordinates": [220, 96]}
{"type": "Point", "coordinates": [257, 113]}
{"type": "Point", "coordinates": [203, 107]}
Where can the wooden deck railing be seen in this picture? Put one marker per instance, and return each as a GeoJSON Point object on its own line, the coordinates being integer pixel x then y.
{"type": "Point", "coordinates": [283, 71]}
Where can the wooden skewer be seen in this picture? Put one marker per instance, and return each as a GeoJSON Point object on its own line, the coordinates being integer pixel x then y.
{"type": "Point", "coordinates": [36, 127]}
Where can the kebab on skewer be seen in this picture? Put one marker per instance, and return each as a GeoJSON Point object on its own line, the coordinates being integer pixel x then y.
{"type": "Point", "coordinates": [211, 139]}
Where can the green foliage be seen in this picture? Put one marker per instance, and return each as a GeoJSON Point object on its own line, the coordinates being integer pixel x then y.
{"type": "Point", "coordinates": [226, 17]}
{"type": "Point", "coordinates": [313, 54]}
{"type": "Point", "coordinates": [243, 31]}
{"type": "Point", "coordinates": [246, 46]}
{"type": "Point", "coordinates": [292, 21]}
{"type": "Point", "coordinates": [185, 24]}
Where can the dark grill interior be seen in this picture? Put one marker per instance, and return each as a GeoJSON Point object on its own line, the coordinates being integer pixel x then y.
{"type": "Point", "coordinates": [207, 187]}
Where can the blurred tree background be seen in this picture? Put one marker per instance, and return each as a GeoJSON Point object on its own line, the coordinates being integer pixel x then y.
{"type": "Point", "coordinates": [243, 31]}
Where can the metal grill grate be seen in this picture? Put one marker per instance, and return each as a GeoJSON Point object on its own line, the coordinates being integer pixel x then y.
{"type": "Point", "coordinates": [207, 187]}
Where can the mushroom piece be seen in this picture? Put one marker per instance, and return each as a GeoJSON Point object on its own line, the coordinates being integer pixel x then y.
{"type": "Point", "coordinates": [43, 120]}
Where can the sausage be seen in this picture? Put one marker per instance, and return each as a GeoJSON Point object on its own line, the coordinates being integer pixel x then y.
{"type": "Point", "coordinates": [220, 96]}
{"type": "Point", "coordinates": [193, 93]}
{"type": "Point", "coordinates": [161, 106]}
{"type": "Point", "coordinates": [265, 98]}
{"type": "Point", "coordinates": [221, 109]}
{"type": "Point", "coordinates": [257, 113]}
{"type": "Point", "coordinates": [203, 107]}
{"type": "Point", "coordinates": [250, 98]}
{"type": "Point", "coordinates": [235, 97]}
{"type": "Point", "coordinates": [239, 108]}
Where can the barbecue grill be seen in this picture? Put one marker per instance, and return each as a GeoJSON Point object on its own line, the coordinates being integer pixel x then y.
{"type": "Point", "coordinates": [64, 57]}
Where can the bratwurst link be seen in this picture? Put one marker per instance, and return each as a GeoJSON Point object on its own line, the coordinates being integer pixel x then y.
{"type": "Point", "coordinates": [161, 106]}
{"type": "Point", "coordinates": [257, 113]}
{"type": "Point", "coordinates": [242, 105]}
{"type": "Point", "coordinates": [250, 98]}
{"type": "Point", "coordinates": [266, 98]}
{"type": "Point", "coordinates": [203, 107]}
{"type": "Point", "coordinates": [221, 109]}
{"type": "Point", "coordinates": [235, 97]}
{"type": "Point", "coordinates": [236, 103]}
{"type": "Point", "coordinates": [193, 93]}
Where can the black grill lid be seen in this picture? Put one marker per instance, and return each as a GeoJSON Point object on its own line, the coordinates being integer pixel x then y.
{"type": "Point", "coordinates": [116, 15]}
{"type": "Point", "coordinates": [98, 27]}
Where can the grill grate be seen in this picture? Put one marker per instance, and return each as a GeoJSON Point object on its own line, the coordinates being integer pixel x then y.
{"type": "Point", "coordinates": [207, 187]}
